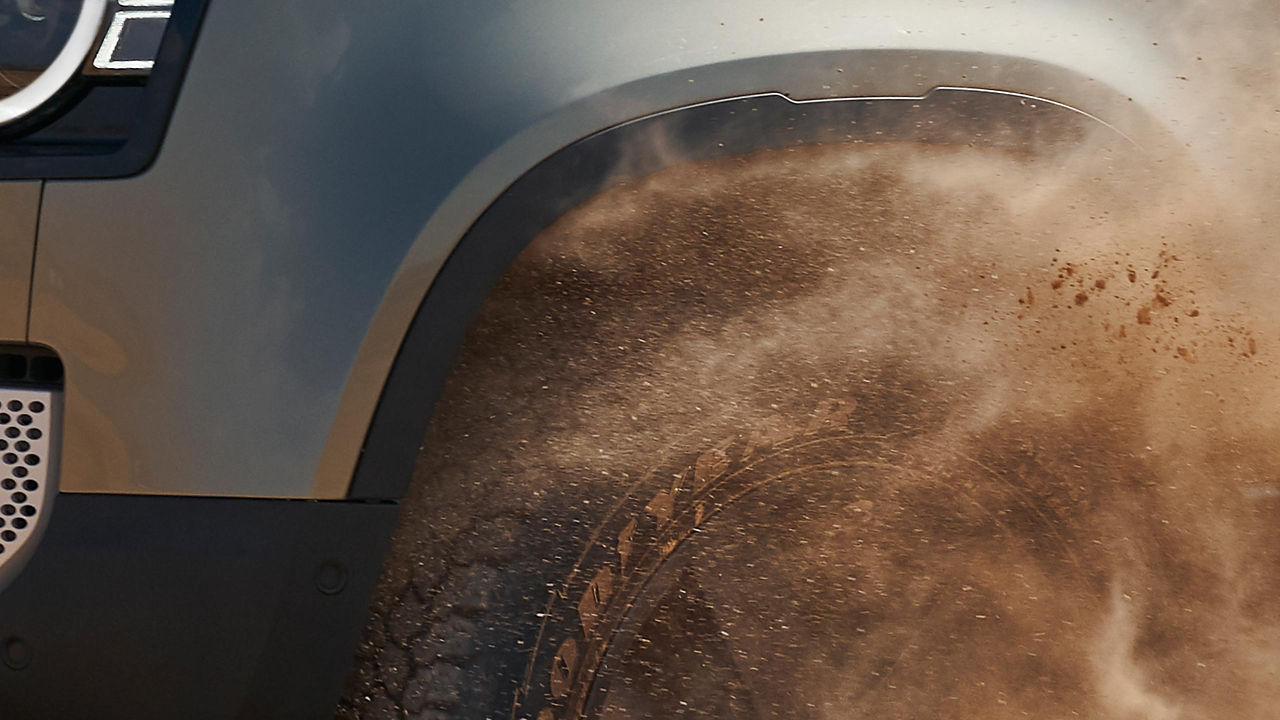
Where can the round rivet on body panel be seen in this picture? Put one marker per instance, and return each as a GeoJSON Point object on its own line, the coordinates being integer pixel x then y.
{"type": "Point", "coordinates": [331, 577]}
{"type": "Point", "coordinates": [17, 654]}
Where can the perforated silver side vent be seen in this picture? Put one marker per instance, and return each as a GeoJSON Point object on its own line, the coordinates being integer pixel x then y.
{"type": "Point", "coordinates": [29, 424]}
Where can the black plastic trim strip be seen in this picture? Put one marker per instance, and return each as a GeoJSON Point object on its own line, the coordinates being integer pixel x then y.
{"type": "Point", "coordinates": [569, 177]}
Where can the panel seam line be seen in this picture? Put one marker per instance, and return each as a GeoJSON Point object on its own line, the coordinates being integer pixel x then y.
{"type": "Point", "coordinates": [35, 248]}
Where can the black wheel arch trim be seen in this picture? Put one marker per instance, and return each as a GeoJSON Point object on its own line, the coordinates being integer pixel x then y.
{"type": "Point", "coordinates": [720, 128]}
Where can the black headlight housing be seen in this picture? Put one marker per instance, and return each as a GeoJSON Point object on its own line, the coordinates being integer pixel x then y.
{"type": "Point", "coordinates": [87, 86]}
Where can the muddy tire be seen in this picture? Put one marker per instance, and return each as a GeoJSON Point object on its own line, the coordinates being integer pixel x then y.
{"type": "Point", "coordinates": [440, 647]}
{"type": "Point", "coordinates": [846, 558]}
{"type": "Point", "coordinates": [839, 432]}
{"type": "Point", "coordinates": [450, 642]}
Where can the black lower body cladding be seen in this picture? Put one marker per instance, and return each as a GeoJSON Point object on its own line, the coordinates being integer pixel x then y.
{"type": "Point", "coordinates": [150, 607]}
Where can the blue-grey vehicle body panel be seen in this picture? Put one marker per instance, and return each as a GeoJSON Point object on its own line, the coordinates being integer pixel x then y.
{"type": "Point", "coordinates": [19, 210]}
{"type": "Point", "coordinates": [228, 318]}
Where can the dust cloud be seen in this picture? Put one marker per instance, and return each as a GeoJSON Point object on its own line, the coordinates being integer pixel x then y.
{"type": "Point", "coordinates": [1069, 359]}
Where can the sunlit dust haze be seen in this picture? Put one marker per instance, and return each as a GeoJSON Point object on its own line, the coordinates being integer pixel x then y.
{"type": "Point", "coordinates": [1068, 363]}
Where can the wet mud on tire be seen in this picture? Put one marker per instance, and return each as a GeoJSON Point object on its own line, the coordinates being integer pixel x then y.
{"type": "Point", "coordinates": [831, 432]}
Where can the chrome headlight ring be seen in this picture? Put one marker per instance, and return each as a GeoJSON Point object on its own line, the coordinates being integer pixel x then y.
{"type": "Point", "coordinates": [87, 86]}
{"type": "Point", "coordinates": [65, 66]}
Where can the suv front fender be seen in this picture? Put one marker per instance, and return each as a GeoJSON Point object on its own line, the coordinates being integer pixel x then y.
{"type": "Point", "coordinates": [229, 318]}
